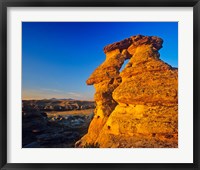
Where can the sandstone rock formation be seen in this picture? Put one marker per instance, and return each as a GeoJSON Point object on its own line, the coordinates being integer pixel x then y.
{"type": "Point", "coordinates": [137, 107]}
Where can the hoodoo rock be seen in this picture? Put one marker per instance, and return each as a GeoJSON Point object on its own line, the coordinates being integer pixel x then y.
{"type": "Point", "coordinates": [137, 107]}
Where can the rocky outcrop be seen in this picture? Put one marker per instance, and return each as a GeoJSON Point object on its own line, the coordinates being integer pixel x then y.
{"type": "Point", "coordinates": [137, 107]}
{"type": "Point", "coordinates": [40, 130]}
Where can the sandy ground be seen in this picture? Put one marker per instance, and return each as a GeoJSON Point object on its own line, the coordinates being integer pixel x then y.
{"type": "Point", "coordinates": [72, 112]}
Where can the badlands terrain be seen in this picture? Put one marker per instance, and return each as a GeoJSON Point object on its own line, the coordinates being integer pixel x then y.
{"type": "Point", "coordinates": [55, 123]}
{"type": "Point", "coordinates": [135, 106]}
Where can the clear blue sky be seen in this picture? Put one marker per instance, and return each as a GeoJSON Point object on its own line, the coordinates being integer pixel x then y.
{"type": "Point", "coordinates": [58, 57]}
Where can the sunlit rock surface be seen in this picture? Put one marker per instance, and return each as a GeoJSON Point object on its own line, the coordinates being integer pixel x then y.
{"type": "Point", "coordinates": [137, 107]}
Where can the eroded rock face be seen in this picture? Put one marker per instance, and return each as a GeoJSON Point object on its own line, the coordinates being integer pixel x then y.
{"type": "Point", "coordinates": [139, 106]}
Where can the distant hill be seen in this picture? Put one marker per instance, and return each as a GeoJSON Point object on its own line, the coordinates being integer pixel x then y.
{"type": "Point", "coordinates": [54, 104]}
{"type": "Point", "coordinates": [60, 99]}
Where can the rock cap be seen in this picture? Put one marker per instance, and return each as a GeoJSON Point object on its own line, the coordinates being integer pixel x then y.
{"type": "Point", "coordinates": [136, 40]}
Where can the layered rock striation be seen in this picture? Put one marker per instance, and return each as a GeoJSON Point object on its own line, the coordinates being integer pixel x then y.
{"type": "Point", "coordinates": [137, 107]}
